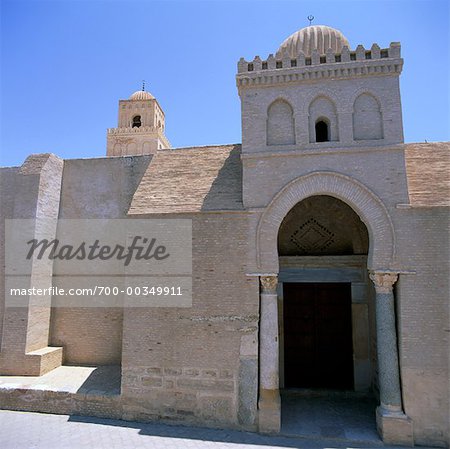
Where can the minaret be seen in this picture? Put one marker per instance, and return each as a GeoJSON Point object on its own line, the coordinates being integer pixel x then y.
{"type": "Point", "coordinates": [140, 129]}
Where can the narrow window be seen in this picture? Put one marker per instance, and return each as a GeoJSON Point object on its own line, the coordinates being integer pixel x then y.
{"type": "Point", "coordinates": [322, 132]}
{"type": "Point", "coordinates": [136, 121]}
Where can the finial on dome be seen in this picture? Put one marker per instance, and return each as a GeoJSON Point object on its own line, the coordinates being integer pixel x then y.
{"type": "Point", "coordinates": [310, 18]}
{"type": "Point", "coordinates": [143, 85]}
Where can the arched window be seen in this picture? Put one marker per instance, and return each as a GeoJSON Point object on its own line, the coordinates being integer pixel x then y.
{"type": "Point", "coordinates": [136, 121]}
{"type": "Point", "coordinates": [323, 120]}
{"type": "Point", "coordinates": [322, 131]}
{"type": "Point", "coordinates": [280, 124]}
{"type": "Point", "coordinates": [367, 119]}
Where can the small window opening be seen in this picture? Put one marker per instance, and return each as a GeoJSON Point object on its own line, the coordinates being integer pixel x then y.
{"type": "Point", "coordinates": [264, 65]}
{"type": "Point", "coordinates": [293, 63]}
{"type": "Point", "coordinates": [136, 121]}
{"type": "Point", "coordinates": [323, 59]}
{"type": "Point", "coordinates": [337, 58]}
{"type": "Point", "coordinates": [279, 64]}
{"type": "Point", "coordinates": [307, 61]}
{"type": "Point", "coordinates": [368, 55]}
{"type": "Point", "coordinates": [250, 67]}
{"type": "Point", "coordinates": [352, 56]}
{"type": "Point", "coordinates": [384, 53]}
{"type": "Point", "coordinates": [322, 132]}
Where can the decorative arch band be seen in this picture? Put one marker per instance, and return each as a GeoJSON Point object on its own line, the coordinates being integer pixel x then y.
{"type": "Point", "coordinates": [361, 199]}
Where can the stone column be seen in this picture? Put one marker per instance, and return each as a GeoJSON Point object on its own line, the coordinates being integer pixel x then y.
{"type": "Point", "coordinates": [388, 372]}
{"type": "Point", "coordinates": [393, 425]}
{"type": "Point", "coordinates": [269, 395]}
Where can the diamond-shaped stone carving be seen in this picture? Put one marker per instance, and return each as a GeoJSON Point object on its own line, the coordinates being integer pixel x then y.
{"type": "Point", "coordinates": [312, 237]}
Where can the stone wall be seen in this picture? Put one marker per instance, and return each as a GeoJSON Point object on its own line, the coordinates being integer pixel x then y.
{"type": "Point", "coordinates": [94, 189]}
{"type": "Point", "coordinates": [199, 364]}
{"type": "Point", "coordinates": [8, 179]}
{"type": "Point", "coordinates": [333, 100]}
{"type": "Point", "coordinates": [31, 191]}
{"type": "Point", "coordinates": [64, 403]}
{"type": "Point", "coordinates": [423, 311]}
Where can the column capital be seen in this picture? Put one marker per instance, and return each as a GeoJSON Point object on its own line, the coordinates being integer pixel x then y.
{"type": "Point", "coordinates": [383, 280]}
{"type": "Point", "coordinates": [269, 284]}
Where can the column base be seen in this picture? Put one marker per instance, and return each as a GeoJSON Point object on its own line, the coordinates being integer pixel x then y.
{"type": "Point", "coordinates": [395, 427]}
{"type": "Point", "coordinates": [34, 363]}
{"type": "Point", "coordinates": [269, 411]}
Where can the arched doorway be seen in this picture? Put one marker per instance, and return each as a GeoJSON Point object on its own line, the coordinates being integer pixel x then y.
{"type": "Point", "coordinates": [380, 268]}
{"type": "Point", "coordinates": [327, 320]}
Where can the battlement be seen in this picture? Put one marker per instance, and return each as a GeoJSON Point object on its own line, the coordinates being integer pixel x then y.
{"type": "Point", "coordinates": [284, 61]}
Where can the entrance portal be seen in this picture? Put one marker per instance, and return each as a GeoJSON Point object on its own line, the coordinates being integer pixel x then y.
{"type": "Point", "coordinates": [318, 347]}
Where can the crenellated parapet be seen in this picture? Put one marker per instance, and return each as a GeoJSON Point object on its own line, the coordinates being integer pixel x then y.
{"type": "Point", "coordinates": [347, 63]}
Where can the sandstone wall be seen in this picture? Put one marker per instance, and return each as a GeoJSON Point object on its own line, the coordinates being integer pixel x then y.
{"type": "Point", "coordinates": [8, 180]}
{"type": "Point", "coordinates": [199, 364]}
{"type": "Point", "coordinates": [423, 306]}
{"type": "Point", "coordinates": [94, 188]}
{"type": "Point", "coordinates": [331, 99]}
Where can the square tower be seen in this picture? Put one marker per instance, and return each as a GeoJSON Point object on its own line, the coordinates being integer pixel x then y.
{"type": "Point", "coordinates": [316, 92]}
{"type": "Point", "coordinates": [140, 129]}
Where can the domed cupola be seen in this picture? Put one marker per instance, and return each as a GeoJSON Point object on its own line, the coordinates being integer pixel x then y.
{"type": "Point", "coordinates": [142, 95]}
{"type": "Point", "coordinates": [316, 37]}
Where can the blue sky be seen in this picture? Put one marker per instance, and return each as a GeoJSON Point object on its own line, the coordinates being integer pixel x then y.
{"type": "Point", "coordinates": [65, 64]}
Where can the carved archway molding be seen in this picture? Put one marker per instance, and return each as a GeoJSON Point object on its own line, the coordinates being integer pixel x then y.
{"type": "Point", "coordinates": [360, 198]}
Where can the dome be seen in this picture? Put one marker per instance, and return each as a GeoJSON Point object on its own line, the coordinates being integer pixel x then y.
{"type": "Point", "coordinates": [318, 37]}
{"type": "Point", "coordinates": [142, 95]}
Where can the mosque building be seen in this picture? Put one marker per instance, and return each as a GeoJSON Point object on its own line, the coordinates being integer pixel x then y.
{"type": "Point", "coordinates": [320, 256]}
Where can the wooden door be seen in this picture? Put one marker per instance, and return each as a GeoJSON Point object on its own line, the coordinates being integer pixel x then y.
{"type": "Point", "coordinates": [318, 348]}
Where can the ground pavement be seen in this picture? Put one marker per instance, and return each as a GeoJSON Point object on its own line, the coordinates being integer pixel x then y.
{"type": "Point", "coordinates": [26, 430]}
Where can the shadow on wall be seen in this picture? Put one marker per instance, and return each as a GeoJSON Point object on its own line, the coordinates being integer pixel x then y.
{"type": "Point", "coordinates": [226, 190]}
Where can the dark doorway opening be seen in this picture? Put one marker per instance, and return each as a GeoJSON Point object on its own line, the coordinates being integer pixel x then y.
{"type": "Point", "coordinates": [322, 134]}
{"type": "Point", "coordinates": [318, 347]}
